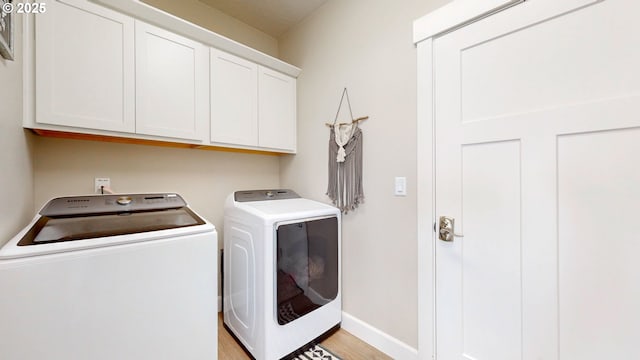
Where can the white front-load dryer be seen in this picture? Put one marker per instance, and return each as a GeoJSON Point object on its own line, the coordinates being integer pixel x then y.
{"type": "Point", "coordinates": [281, 271]}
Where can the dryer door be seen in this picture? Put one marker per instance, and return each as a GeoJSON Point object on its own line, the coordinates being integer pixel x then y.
{"type": "Point", "coordinates": [307, 267]}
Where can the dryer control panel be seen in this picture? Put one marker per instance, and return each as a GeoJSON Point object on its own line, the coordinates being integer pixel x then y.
{"type": "Point", "coordinates": [262, 195]}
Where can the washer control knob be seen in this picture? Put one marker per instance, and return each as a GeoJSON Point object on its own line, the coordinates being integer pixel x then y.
{"type": "Point", "coordinates": [124, 200]}
{"type": "Point", "coordinates": [270, 194]}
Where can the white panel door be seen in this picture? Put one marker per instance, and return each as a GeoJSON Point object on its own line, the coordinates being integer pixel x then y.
{"type": "Point", "coordinates": [85, 67]}
{"type": "Point", "coordinates": [276, 110]}
{"type": "Point", "coordinates": [172, 85]}
{"type": "Point", "coordinates": [537, 141]}
{"type": "Point", "coordinates": [234, 99]}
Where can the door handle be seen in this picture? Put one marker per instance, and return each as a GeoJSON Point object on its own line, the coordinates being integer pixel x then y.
{"type": "Point", "coordinates": [446, 231]}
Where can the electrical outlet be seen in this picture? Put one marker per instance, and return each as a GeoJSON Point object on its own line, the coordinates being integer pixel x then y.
{"type": "Point", "coordinates": [100, 182]}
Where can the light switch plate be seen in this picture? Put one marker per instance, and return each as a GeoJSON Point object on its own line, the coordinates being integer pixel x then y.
{"type": "Point", "coordinates": [401, 186]}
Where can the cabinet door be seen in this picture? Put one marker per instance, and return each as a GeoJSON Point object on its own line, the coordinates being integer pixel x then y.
{"type": "Point", "coordinates": [172, 84]}
{"type": "Point", "coordinates": [234, 99]}
{"type": "Point", "coordinates": [276, 110]}
{"type": "Point", "coordinates": [84, 67]}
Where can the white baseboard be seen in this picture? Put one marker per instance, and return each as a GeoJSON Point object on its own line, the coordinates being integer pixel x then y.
{"type": "Point", "coordinates": [378, 339]}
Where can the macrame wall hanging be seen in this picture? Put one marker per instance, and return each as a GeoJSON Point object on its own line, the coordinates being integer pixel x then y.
{"type": "Point", "coordinates": [345, 161]}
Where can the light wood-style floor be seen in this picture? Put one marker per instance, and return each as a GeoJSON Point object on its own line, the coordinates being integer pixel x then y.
{"type": "Point", "coordinates": [341, 343]}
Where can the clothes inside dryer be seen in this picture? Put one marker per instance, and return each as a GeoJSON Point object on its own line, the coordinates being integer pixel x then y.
{"type": "Point", "coordinates": [307, 267]}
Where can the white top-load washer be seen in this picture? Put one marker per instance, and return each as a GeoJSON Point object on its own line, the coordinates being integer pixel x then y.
{"type": "Point", "coordinates": [110, 277]}
{"type": "Point", "coordinates": [282, 286]}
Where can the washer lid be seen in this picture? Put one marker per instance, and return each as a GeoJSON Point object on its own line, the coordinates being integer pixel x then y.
{"type": "Point", "coordinates": [88, 222]}
{"type": "Point", "coordinates": [63, 228]}
{"type": "Point", "coordinates": [103, 216]}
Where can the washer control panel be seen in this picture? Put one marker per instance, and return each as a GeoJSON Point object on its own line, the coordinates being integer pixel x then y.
{"type": "Point", "coordinates": [262, 195]}
{"type": "Point", "coordinates": [104, 204]}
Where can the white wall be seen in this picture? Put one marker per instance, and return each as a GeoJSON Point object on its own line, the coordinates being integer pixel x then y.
{"type": "Point", "coordinates": [16, 180]}
{"type": "Point", "coordinates": [365, 45]}
{"type": "Point", "coordinates": [213, 19]}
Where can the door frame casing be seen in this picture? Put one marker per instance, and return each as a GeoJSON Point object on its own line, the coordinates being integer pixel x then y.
{"type": "Point", "coordinates": [426, 202]}
{"type": "Point", "coordinates": [454, 15]}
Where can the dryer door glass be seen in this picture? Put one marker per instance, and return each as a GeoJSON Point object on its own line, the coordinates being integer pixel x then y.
{"type": "Point", "coordinates": [307, 267]}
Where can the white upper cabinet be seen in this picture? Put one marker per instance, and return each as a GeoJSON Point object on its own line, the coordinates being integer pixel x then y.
{"type": "Point", "coordinates": [251, 105]}
{"type": "Point", "coordinates": [234, 100]}
{"type": "Point", "coordinates": [172, 80]}
{"type": "Point", "coordinates": [84, 67]}
{"type": "Point", "coordinates": [276, 110]}
{"type": "Point", "coordinates": [102, 72]}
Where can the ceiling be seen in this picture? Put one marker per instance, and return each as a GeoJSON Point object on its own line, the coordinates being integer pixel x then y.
{"type": "Point", "coordinates": [273, 17]}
